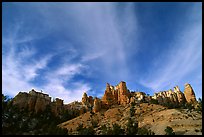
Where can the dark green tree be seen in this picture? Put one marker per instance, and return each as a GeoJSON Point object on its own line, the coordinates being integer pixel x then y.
{"type": "Point", "coordinates": [132, 109]}
{"type": "Point", "coordinates": [85, 131]}
{"type": "Point", "coordinates": [132, 127]}
{"type": "Point", "coordinates": [169, 131]}
{"type": "Point", "coordinates": [154, 101]}
{"type": "Point", "coordinates": [145, 131]}
{"type": "Point", "coordinates": [117, 130]}
{"type": "Point", "coordinates": [199, 108]}
{"type": "Point", "coordinates": [106, 130]}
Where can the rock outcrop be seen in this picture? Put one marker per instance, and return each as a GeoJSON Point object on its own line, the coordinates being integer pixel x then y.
{"type": "Point", "coordinates": [169, 97]}
{"type": "Point", "coordinates": [189, 94]}
{"type": "Point", "coordinates": [137, 96]}
{"type": "Point", "coordinates": [123, 93]}
{"type": "Point", "coordinates": [57, 106]}
{"type": "Point", "coordinates": [116, 95]}
{"type": "Point", "coordinates": [87, 102]}
{"type": "Point", "coordinates": [85, 99]}
{"type": "Point", "coordinates": [110, 96]}
{"type": "Point", "coordinates": [21, 100]}
{"type": "Point", "coordinates": [180, 95]}
{"type": "Point", "coordinates": [97, 105]}
{"type": "Point", "coordinates": [34, 101]}
{"type": "Point", "coordinates": [91, 101]}
{"type": "Point", "coordinates": [176, 97]}
{"type": "Point", "coordinates": [113, 96]}
{"type": "Point", "coordinates": [37, 101]}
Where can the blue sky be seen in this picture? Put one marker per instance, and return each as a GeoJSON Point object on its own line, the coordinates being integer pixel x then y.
{"type": "Point", "coordinates": [65, 49]}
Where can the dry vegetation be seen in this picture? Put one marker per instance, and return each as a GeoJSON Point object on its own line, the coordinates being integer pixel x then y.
{"type": "Point", "coordinates": [150, 116]}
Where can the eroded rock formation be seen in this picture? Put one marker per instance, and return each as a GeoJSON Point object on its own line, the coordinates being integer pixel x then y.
{"type": "Point", "coordinates": [116, 95]}
{"type": "Point", "coordinates": [169, 97]}
{"type": "Point", "coordinates": [87, 102]}
{"type": "Point", "coordinates": [97, 105]}
{"type": "Point", "coordinates": [123, 93]}
{"type": "Point", "coordinates": [37, 101]}
{"type": "Point", "coordinates": [34, 101]}
{"type": "Point", "coordinates": [189, 94]}
{"type": "Point", "coordinates": [57, 106]}
{"type": "Point", "coordinates": [180, 95]}
{"type": "Point", "coordinates": [110, 96]}
{"type": "Point", "coordinates": [85, 99]}
{"type": "Point", "coordinates": [176, 97]}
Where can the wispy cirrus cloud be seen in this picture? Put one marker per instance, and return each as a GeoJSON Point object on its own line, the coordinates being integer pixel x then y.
{"type": "Point", "coordinates": [182, 62]}
{"type": "Point", "coordinates": [103, 33]}
{"type": "Point", "coordinates": [21, 66]}
{"type": "Point", "coordinates": [68, 48]}
{"type": "Point", "coordinates": [16, 71]}
{"type": "Point", "coordinates": [59, 84]}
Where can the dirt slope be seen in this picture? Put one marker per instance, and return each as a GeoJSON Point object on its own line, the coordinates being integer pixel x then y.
{"type": "Point", "coordinates": [151, 116]}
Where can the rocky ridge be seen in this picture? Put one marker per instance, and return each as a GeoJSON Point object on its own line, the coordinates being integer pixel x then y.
{"type": "Point", "coordinates": [114, 95]}
{"type": "Point", "coordinates": [115, 104]}
{"type": "Point", "coordinates": [114, 107]}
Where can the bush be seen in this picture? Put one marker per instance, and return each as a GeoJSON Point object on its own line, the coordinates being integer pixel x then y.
{"type": "Point", "coordinates": [17, 121]}
{"type": "Point", "coordinates": [154, 101]}
{"type": "Point", "coordinates": [132, 109]}
{"type": "Point", "coordinates": [132, 127]}
{"type": "Point", "coordinates": [196, 130]}
{"type": "Point", "coordinates": [85, 131]}
{"type": "Point", "coordinates": [169, 131]}
{"type": "Point", "coordinates": [106, 130]}
{"type": "Point", "coordinates": [94, 123]}
{"type": "Point", "coordinates": [199, 108]}
{"type": "Point", "coordinates": [144, 131]}
{"type": "Point", "coordinates": [117, 130]}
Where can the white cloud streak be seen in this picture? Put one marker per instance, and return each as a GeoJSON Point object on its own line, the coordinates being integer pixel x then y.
{"type": "Point", "coordinates": [104, 36]}
{"type": "Point", "coordinates": [58, 78]}
{"type": "Point", "coordinates": [18, 74]}
{"type": "Point", "coordinates": [102, 41]}
{"type": "Point", "coordinates": [179, 63]}
{"type": "Point", "coordinates": [15, 74]}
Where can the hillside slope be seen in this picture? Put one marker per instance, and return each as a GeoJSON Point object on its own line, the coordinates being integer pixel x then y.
{"type": "Point", "coordinates": [150, 116]}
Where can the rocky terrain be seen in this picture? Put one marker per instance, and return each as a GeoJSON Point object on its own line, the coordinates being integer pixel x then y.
{"type": "Point", "coordinates": [155, 113]}
{"type": "Point", "coordinates": [150, 116]}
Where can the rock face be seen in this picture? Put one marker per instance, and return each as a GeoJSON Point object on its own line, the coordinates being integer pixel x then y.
{"type": "Point", "coordinates": [110, 96]}
{"type": "Point", "coordinates": [34, 101]}
{"type": "Point", "coordinates": [59, 102]}
{"type": "Point", "coordinates": [57, 106]}
{"type": "Point", "coordinates": [176, 97]}
{"type": "Point", "coordinates": [97, 105]}
{"type": "Point", "coordinates": [85, 99]}
{"type": "Point", "coordinates": [180, 95]}
{"type": "Point", "coordinates": [189, 94]}
{"type": "Point", "coordinates": [87, 102]}
{"type": "Point", "coordinates": [137, 96]}
{"type": "Point", "coordinates": [21, 100]}
{"type": "Point", "coordinates": [170, 97]}
{"type": "Point", "coordinates": [116, 95]}
{"type": "Point", "coordinates": [91, 101]}
{"type": "Point", "coordinates": [123, 93]}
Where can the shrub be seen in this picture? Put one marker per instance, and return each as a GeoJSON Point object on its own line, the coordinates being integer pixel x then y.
{"type": "Point", "coordinates": [154, 101]}
{"type": "Point", "coordinates": [117, 130]}
{"type": "Point", "coordinates": [169, 131]}
{"type": "Point", "coordinates": [106, 130]}
{"type": "Point", "coordinates": [196, 130]}
{"type": "Point", "coordinates": [85, 131]}
{"type": "Point", "coordinates": [144, 131]}
{"type": "Point", "coordinates": [94, 123]}
{"type": "Point", "coordinates": [132, 127]}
